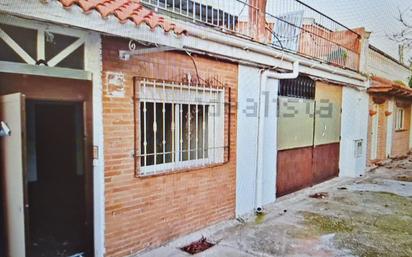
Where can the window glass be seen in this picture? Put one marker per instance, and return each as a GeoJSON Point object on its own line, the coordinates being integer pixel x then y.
{"type": "Point", "coordinates": [25, 38]}
{"type": "Point", "coordinates": [185, 123]}
{"type": "Point", "coordinates": [56, 43]}
{"type": "Point", "coordinates": [8, 54]}
{"type": "Point", "coordinates": [202, 132]}
{"type": "Point", "coordinates": [158, 139]}
{"type": "Point", "coordinates": [194, 132]}
{"type": "Point", "coordinates": [175, 130]}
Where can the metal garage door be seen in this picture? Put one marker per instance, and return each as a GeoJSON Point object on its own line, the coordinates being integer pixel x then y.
{"type": "Point", "coordinates": [308, 134]}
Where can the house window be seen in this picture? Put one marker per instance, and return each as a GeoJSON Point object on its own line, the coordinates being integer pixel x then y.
{"type": "Point", "coordinates": [181, 126]}
{"type": "Point", "coordinates": [400, 119]}
{"type": "Point", "coordinates": [301, 87]}
{"type": "Point", "coordinates": [24, 38]}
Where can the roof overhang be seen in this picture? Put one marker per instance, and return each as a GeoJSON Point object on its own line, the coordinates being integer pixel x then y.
{"type": "Point", "coordinates": [384, 87]}
{"type": "Point", "coordinates": [76, 17]}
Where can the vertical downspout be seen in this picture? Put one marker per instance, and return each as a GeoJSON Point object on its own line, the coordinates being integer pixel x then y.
{"type": "Point", "coordinates": [260, 133]}
{"type": "Point", "coordinates": [265, 75]}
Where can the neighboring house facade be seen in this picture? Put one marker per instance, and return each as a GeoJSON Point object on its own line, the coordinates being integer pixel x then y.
{"type": "Point", "coordinates": [389, 107]}
{"type": "Point", "coordinates": [170, 125]}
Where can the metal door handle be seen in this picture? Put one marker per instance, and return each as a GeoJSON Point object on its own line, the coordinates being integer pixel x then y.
{"type": "Point", "coordinates": [5, 131]}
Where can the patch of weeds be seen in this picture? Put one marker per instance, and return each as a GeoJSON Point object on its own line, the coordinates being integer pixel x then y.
{"type": "Point", "coordinates": [404, 178]}
{"type": "Point", "coordinates": [327, 224]}
{"type": "Point", "coordinates": [399, 204]}
{"type": "Point", "coordinates": [394, 223]}
{"type": "Point", "coordinates": [344, 200]}
{"type": "Point", "coordinates": [370, 232]}
{"type": "Point", "coordinates": [359, 248]}
{"type": "Point", "coordinates": [375, 243]}
{"type": "Point", "coordinates": [385, 194]}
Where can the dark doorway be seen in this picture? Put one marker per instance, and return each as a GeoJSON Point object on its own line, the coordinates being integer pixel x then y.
{"type": "Point", "coordinates": [57, 215]}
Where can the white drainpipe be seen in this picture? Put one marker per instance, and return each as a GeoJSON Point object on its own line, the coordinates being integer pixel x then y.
{"type": "Point", "coordinates": [261, 119]}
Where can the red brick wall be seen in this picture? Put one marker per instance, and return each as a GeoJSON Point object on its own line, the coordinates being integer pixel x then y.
{"type": "Point", "coordinates": [146, 212]}
{"type": "Point", "coordinates": [400, 138]}
{"type": "Point", "coordinates": [325, 42]}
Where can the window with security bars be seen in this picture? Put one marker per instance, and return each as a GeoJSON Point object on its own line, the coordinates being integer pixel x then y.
{"type": "Point", "coordinates": [180, 126]}
{"type": "Point", "coordinates": [301, 87]}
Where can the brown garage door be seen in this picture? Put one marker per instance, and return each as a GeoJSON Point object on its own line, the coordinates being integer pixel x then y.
{"type": "Point", "coordinates": [308, 134]}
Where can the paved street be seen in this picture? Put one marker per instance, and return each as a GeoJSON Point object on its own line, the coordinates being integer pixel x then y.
{"type": "Point", "coordinates": [369, 216]}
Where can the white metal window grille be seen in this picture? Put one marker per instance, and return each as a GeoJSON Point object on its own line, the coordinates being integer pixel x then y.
{"type": "Point", "coordinates": [301, 87]}
{"type": "Point", "coordinates": [181, 126]}
{"type": "Point", "coordinates": [400, 119]}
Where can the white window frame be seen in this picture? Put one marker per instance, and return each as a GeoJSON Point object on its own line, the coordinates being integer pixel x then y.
{"type": "Point", "coordinates": [400, 119]}
{"type": "Point", "coordinates": [178, 94]}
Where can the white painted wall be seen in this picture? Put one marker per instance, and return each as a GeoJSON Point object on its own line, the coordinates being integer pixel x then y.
{"type": "Point", "coordinates": [270, 143]}
{"type": "Point", "coordinates": [384, 67]}
{"type": "Point", "coordinates": [247, 134]}
{"type": "Point", "coordinates": [247, 130]}
{"type": "Point", "coordinates": [354, 127]}
{"type": "Point", "coordinates": [93, 63]}
{"type": "Point", "coordinates": [374, 133]}
{"type": "Point", "coordinates": [389, 127]}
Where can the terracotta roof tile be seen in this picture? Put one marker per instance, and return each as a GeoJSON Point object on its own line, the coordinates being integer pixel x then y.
{"type": "Point", "coordinates": [388, 87]}
{"type": "Point", "coordinates": [125, 10]}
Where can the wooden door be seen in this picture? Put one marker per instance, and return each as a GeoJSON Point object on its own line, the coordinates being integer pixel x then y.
{"type": "Point", "coordinates": [12, 157]}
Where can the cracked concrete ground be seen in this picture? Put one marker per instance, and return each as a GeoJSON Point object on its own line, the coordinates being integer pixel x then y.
{"type": "Point", "coordinates": [366, 217]}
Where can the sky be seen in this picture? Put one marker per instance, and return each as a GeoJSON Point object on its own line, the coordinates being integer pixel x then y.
{"type": "Point", "coordinates": [377, 16]}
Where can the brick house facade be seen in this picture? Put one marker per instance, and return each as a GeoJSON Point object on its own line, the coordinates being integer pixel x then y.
{"type": "Point", "coordinates": [379, 113]}
{"type": "Point", "coordinates": [146, 211]}
{"type": "Point", "coordinates": [390, 104]}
